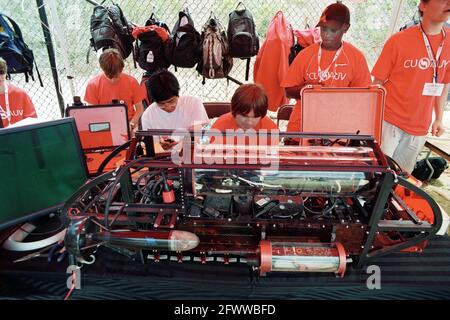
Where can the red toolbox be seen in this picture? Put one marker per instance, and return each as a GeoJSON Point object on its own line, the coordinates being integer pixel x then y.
{"type": "Point", "coordinates": [102, 128]}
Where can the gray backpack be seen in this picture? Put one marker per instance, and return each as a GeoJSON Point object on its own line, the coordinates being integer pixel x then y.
{"type": "Point", "coordinates": [216, 61]}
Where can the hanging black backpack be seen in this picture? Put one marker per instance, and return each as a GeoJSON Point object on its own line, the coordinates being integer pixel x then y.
{"type": "Point", "coordinates": [242, 35]}
{"type": "Point", "coordinates": [184, 47]}
{"type": "Point", "coordinates": [215, 61]}
{"type": "Point", "coordinates": [150, 45]}
{"type": "Point", "coordinates": [13, 49]}
{"type": "Point", "coordinates": [110, 29]}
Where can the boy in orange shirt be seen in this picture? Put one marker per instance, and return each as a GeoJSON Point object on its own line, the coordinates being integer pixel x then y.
{"type": "Point", "coordinates": [249, 106]}
{"type": "Point", "coordinates": [113, 84]}
{"type": "Point", "coordinates": [415, 87]}
{"type": "Point", "coordinates": [15, 104]}
{"type": "Point", "coordinates": [242, 135]}
{"type": "Point", "coordinates": [248, 110]}
{"type": "Point", "coordinates": [330, 63]}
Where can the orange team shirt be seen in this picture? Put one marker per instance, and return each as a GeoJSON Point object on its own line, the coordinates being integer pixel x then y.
{"type": "Point", "coordinates": [404, 63]}
{"type": "Point", "coordinates": [100, 90]}
{"type": "Point", "coordinates": [227, 121]}
{"type": "Point", "coordinates": [20, 105]}
{"type": "Point", "coordinates": [271, 63]}
{"type": "Point", "coordinates": [349, 70]}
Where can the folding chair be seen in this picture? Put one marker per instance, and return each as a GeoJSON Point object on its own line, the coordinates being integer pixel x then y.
{"type": "Point", "coordinates": [284, 113]}
{"type": "Point", "coordinates": [216, 109]}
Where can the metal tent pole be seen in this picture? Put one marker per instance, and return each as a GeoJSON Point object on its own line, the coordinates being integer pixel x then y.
{"type": "Point", "coordinates": [58, 31]}
{"type": "Point", "coordinates": [51, 53]}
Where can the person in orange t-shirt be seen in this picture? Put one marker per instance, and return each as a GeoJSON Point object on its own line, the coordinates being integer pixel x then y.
{"type": "Point", "coordinates": [114, 84]}
{"type": "Point", "coordinates": [330, 63]}
{"type": "Point", "coordinates": [414, 86]}
{"type": "Point", "coordinates": [15, 104]}
{"type": "Point", "coordinates": [249, 106]}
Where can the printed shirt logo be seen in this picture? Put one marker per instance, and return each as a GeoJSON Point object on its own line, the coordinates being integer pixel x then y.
{"type": "Point", "coordinates": [325, 76]}
{"type": "Point", "coordinates": [424, 64]}
{"type": "Point", "coordinates": [328, 75]}
{"type": "Point", "coordinates": [14, 113]}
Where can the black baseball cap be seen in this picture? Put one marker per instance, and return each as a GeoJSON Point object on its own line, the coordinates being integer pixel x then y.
{"type": "Point", "coordinates": [336, 12]}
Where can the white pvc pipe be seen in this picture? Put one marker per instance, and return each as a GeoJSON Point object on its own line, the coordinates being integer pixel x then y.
{"type": "Point", "coordinates": [15, 241]}
{"type": "Point", "coordinates": [398, 4]}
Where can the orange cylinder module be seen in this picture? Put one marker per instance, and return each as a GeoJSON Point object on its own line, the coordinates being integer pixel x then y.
{"type": "Point", "coordinates": [302, 257]}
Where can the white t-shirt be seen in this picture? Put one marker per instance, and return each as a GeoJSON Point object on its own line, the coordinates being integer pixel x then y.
{"type": "Point", "coordinates": [190, 111]}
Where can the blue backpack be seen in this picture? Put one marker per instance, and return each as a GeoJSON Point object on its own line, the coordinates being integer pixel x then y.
{"type": "Point", "coordinates": [14, 50]}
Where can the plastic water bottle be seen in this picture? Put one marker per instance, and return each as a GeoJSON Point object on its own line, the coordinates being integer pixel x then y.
{"type": "Point", "coordinates": [150, 57]}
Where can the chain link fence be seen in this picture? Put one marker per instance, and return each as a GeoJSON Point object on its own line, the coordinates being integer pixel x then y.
{"type": "Point", "coordinates": [68, 23]}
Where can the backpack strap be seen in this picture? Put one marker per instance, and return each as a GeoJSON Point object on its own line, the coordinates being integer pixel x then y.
{"type": "Point", "coordinates": [185, 13]}
{"type": "Point", "coordinates": [16, 27]}
{"type": "Point", "coordinates": [212, 15]}
{"type": "Point", "coordinates": [38, 74]}
{"type": "Point", "coordinates": [89, 50]}
{"type": "Point", "coordinates": [241, 4]}
{"type": "Point", "coordinates": [152, 20]}
{"type": "Point", "coordinates": [137, 46]}
{"type": "Point", "coordinates": [247, 69]}
{"type": "Point", "coordinates": [128, 32]}
{"type": "Point", "coordinates": [122, 17]}
{"type": "Point", "coordinates": [134, 54]}
{"type": "Point", "coordinates": [229, 78]}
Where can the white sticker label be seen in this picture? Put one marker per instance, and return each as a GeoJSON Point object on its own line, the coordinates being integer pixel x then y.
{"type": "Point", "coordinates": [433, 89]}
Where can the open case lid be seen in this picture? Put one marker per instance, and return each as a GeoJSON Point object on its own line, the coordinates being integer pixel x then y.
{"type": "Point", "coordinates": [343, 110]}
{"type": "Point", "coordinates": [101, 126]}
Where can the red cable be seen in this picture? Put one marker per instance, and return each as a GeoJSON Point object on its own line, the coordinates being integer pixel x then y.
{"type": "Point", "coordinates": [73, 286]}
